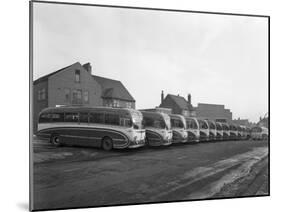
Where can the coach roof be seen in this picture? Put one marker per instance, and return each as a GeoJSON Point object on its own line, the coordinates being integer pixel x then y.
{"type": "Point", "coordinates": [73, 109]}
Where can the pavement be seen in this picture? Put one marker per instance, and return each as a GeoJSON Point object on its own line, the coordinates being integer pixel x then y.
{"type": "Point", "coordinates": [67, 177]}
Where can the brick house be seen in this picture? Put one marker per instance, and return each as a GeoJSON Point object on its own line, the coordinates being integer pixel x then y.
{"type": "Point", "coordinates": [114, 93]}
{"type": "Point", "coordinates": [178, 104]}
{"type": "Point", "coordinates": [214, 112]}
{"type": "Point", "coordinates": [75, 85]}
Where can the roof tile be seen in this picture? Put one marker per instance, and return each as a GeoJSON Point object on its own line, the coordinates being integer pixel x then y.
{"type": "Point", "coordinates": [113, 89]}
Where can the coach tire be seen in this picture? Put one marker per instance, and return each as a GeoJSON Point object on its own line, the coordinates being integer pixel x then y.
{"type": "Point", "coordinates": [107, 144]}
{"type": "Point", "coordinates": [149, 142]}
{"type": "Point", "coordinates": [146, 142]}
{"type": "Point", "coordinates": [56, 140]}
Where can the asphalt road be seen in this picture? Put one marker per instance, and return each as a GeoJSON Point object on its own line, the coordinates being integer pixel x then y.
{"type": "Point", "coordinates": [67, 177]}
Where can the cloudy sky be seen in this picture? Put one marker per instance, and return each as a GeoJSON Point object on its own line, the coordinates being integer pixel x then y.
{"type": "Point", "coordinates": [218, 59]}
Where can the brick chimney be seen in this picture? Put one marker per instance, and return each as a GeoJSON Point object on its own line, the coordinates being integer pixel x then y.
{"type": "Point", "coordinates": [189, 98]}
{"type": "Point", "coordinates": [162, 96]}
{"type": "Point", "coordinates": [88, 67]}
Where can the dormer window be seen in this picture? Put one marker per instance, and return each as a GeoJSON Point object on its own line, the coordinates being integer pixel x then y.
{"type": "Point", "coordinates": [77, 76]}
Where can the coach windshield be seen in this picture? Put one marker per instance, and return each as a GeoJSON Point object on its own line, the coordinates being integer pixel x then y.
{"type": "Point", "coordinates": [202, 124]}
{"type": "Point", "coordinates": [212, 125]}
{"type": "Point", "coordinates": [167, 121]}
{"type": "Point", "coordinates": [137, 119]}
{"type": "Point", "coordinates": [225, 127]}
{"type": "Point", "coordinates": [191, 124]}
{"type": "Point", "coordinates": [177, 123]}
{"type": "Point", "coordinates": [218, 126]}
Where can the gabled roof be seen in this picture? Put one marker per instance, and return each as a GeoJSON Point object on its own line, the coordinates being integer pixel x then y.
{"type": "Point", "coordinates": [110, 88]}
{"type": "Point", "coordinates": [181, 102]}
{"type": "Point", "coordinates": [41, 79]}
{"type": "Point", "coordinates": [113, 89]}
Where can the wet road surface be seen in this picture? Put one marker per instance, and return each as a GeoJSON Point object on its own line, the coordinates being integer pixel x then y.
{"type": "Point", "coordinates": [80, 177]}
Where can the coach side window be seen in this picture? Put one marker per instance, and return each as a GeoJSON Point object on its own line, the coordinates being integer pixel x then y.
{"type": "Point", "coordinates": [45, 117]}
{"type": "Point", "coordinates": [83, 117]}
{"type": "Point", "coordinates": [57, 117]}
{"type": "Point", "coordinates": [112, 119]}
{"type": "Point", "coordinates": [97, 118]}
{"type": "Point", "coordinates": [71, 117]}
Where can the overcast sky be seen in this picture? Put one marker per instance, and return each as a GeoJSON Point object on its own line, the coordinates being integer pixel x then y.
{"type": "Point", "coordinates": [218, 59]}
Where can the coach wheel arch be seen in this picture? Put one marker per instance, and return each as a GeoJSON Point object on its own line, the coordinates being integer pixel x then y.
{"type": "Point", "coordinates": [107, 143]}
{"type": "Point", "coordinates": [56, 139]}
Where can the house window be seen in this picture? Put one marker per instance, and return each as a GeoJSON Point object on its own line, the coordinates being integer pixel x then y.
{"type": "Point", "coordinates": [116, 103]}
{"type": "Point", "coordinates": [42, 94]}
{"type": "Point", "coordinates": [77, 76]}
{"type": "Point", "coordinates": [128, 105]}
{"type": "Point", "coordinates": [77, 96]}
{"type": "Point", "coordinates": [86, 97]}
{"type": "Point", "coordinates": [67, 95]}
{"type": "Point", "coordinates": [107, 103]}
{"type": "Point", "coordinates": [185, 113]}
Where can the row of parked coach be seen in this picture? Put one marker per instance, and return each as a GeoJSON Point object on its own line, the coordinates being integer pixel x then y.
{"type": "Point", "coordinates": [129, 128]}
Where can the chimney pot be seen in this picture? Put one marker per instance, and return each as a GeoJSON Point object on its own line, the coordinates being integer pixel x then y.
{"type": "Point", "coordinates": [162, 96]}
{"type": "Point", "coordinates": [189, 98]}
{"type": "Point", "coordinates": [88, 67]}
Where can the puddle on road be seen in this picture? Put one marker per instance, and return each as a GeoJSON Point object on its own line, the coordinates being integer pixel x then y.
{"type": "Point", "coordinates": [216, 186]}
{"type": "Point", "coordinates": [243, 161]}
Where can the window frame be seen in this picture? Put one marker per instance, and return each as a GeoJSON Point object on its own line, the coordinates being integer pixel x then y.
{"type": "Point", "coordinates": [41, 94]}
{"type": "Point", "coordinates": [88, 97]}
{"type": "Point", "coordinates": [77, 74]}
{"type": "Point", "coordinates": [76, 113]}
{"type": "Point", "coordinates": [88, 117]}
{"type": "Point", "coordinates": [106, 115]}
{"type": "Point", "coordinates": [57, 113]}
{"type": "Point", "coordinates": [76, 100]}
{"type": "Point", "coordinates": [92, 115]}
{"type": "Point", "coordinates": [69, 95]}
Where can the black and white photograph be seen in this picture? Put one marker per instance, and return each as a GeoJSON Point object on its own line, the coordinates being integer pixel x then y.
{"type": "Point", "coordinates": [133, 105]}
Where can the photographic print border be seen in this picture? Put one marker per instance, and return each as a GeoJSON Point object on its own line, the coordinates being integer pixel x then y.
{"type": "Point", "coordinates": [133, 8]}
